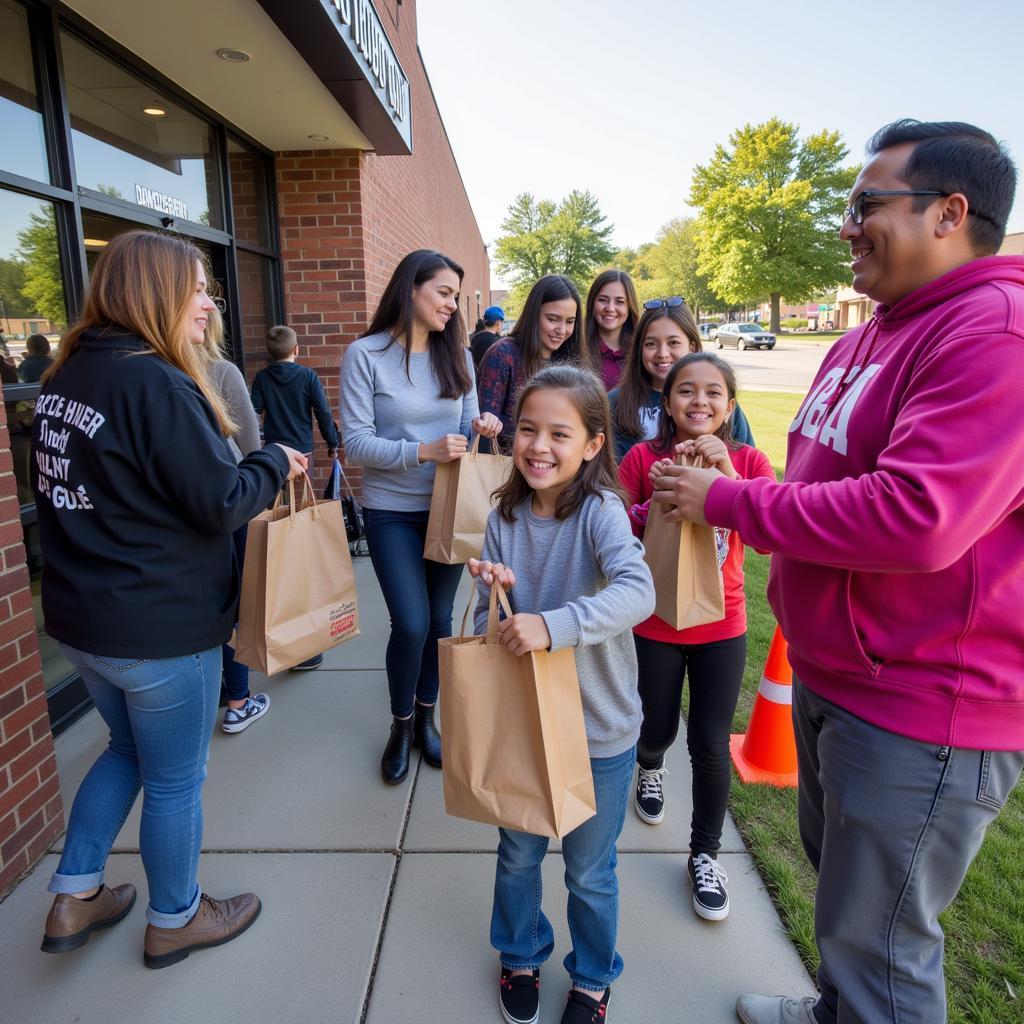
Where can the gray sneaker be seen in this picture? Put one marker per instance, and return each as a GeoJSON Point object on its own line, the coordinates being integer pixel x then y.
{"type": "Point", "coordinates": [776, 1010]}
{"type": "Point", "coordinates": [237, 719]}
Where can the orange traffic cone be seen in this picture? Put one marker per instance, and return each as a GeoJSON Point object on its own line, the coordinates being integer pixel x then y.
{"type": "Point", "coordinates": [768, 751]}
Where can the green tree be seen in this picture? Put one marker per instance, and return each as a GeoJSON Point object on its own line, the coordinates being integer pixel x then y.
{"type": "Point", "coordinates": [12, 284]}
{"type": "Point", "coordinates": [770, 209]}
{"type": "Point", "coordinates": [37, 250]}
{"type": "Point", "coordinates": [542, 237]}
{"type": "Point", "coordinates": [673, 260]}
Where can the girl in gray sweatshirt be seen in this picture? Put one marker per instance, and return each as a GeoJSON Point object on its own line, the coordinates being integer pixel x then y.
{"type": "Point", "coordinates": [560, 539]}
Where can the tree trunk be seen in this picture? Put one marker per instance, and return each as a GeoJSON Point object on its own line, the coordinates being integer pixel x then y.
{"type": "Point", "coordinates": [774, 325]}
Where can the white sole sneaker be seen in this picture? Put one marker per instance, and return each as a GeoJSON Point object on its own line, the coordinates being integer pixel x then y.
{"type": "Point", "coordinates": [243, 723]}
{"type": "Point", "coordinates": [650, 819]}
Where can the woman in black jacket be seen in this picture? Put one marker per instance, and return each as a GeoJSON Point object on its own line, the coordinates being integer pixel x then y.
{"type": "Point", "coordinates": [138, 494]}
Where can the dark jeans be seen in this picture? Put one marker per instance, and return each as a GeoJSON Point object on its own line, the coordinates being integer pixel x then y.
{"type": "Point", "coordinates": [419, 595]}
{"type": "Point", "coordinates": [236, 675]}
{"type": "Point", "coordinates": [890, 825]}
{"type": "Point", "coordinates": [715, 674]}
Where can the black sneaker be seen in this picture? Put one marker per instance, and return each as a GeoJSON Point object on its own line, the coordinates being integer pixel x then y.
{"type": "Point", "coordinates": [650, 795]}
{"type": "Point", "coordinates": [584, 1009]}
{"type": "Point", "coordinates": [305, 666]}
{"type": "Point", "coordinates": [708, 879]}
{"type": "Point", "coordinates": [519, 996]}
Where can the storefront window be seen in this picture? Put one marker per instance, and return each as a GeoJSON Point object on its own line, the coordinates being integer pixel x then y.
{"type": "Point", "coordinates": [31, 286]}
{"type": "Point", "coordinates": [22, 143]}
{"type": "Point", "coordinates": [132, 143]}
{"type": "Point", "coordinates": [249, 202]}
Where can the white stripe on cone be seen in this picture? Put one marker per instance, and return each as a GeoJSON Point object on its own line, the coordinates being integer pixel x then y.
{"type": "Point", "coordinates": [777, 693]}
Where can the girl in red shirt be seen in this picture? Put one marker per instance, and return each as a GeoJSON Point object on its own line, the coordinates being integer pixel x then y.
{"type": "Point", "coordinates": [699, 399]}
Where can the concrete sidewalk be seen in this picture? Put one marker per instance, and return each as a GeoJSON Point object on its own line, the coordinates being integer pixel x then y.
{"type": "Point", "coordinates": [376, 905]}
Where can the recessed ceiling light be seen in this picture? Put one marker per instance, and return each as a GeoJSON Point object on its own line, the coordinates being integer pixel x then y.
{"type": "Point", "coordinates": [154, 111]}
{"type": "Point", "coordinates": [233, 56]}
{"type": "Point", "coordinates": [318, 138]}
{"type": "Point", "coordinates": [95, 243]}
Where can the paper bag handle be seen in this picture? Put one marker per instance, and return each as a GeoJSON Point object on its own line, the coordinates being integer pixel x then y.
{"type": "Point", "coordinates": [307, 492]}
{"type": "Point", "coordinates": [474, 448]}
{"type": "Point", "coordinates": [497, 594]}
{"type": "Point", "coordinates": [697, 462]}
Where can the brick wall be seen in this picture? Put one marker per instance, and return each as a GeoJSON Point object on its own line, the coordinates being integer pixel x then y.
{"type": "Point", "coordinates": [31, 815]}
{"type": "Point", "coordinates": [346, 219]}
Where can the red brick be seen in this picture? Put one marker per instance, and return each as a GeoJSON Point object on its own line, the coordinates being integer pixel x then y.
{"type": "Point", "coordinates": [12, 748]}
{"type": "Point", "coordinates": [25, 716]}
{"type": "Point", "coordinates": [11, 872]}
{"type": "Point", "coordinates": [31, 759]}
{"type": "Point", "coordinates": [22, 836]}
{"type": "Point", "coordinates": [37, 800]}
{"type": "Point", "coordinates": [17, 627]}
{"type": "Point", "coordinates": [12, 700]}
{"type": "Point", "coordinates": [14, 796]}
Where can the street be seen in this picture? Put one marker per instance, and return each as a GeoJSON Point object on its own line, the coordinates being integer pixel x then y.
{"type": "Point", "coordinates": [790, 366]}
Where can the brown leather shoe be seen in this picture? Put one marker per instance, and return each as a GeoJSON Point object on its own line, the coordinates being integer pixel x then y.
{"type": "Point", "coordinates": [214, 923]}
{"type": "Point", "coordinates": [71, 921]}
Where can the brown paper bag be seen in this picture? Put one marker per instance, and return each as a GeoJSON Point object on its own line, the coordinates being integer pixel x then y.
{"type": "Point", "coordinates": [460, 504]}
{"type": "Point", "coordinates": [298, 589]}
{"type": "Point", "coordinates": [512, 734]}
{"type": "Point", "coordinates": [683, 559]}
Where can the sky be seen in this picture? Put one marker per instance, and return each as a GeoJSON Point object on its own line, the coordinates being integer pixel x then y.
{"type": "Point", "coordinates": [626, 98]}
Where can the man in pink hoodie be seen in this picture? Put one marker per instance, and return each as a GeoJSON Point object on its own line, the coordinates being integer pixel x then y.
{"type": "Point", "coordinates": [898, 571]}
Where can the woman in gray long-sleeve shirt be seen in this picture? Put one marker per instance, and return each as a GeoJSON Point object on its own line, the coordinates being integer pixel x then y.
{"type": "Point", "coordinates": [408, 403]}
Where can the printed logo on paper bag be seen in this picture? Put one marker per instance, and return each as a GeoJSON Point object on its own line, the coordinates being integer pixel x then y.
{"type": "Point", "coordinates": [342, 620]}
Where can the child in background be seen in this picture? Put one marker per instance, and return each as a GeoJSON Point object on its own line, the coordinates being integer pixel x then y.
{"type": "Point", "coordinates": [560, 539]}
{"type": "Point", "coordinates": [666, 332]}
{"type": "Point", "coordinates": [288, 395]}
{"type": "Point", "coordinates": [698, 404]}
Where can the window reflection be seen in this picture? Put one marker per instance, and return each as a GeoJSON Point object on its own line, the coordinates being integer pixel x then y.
{"type": "Point", "coordinates": [132, 143]}
{"type": "Point", "coordinates": [254, 291]}
{"type": "Point", "coordinates": [22, 143]}
{"type": "Point", "coordinates": [32, 311]}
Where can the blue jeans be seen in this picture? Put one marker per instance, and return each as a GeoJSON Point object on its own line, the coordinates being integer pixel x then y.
{"type": "Point", "coordinates": [419, 595]}
{"type": "Point", "coordinates": [160, 713]}
{"type": "Point", "coordinates": [236, 675]}
{"type": "Point", "coordinates": [520, 931]}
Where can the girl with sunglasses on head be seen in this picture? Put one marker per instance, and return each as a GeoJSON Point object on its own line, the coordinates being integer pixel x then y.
{"type": "Point", "coordinates": [612, 315]}
{"type": "Point", "coordinates": [697, 407]}
{"type": "Point", "coordinates": [666, 332]}
{"type": "Point", "coordinates": [549, 330]}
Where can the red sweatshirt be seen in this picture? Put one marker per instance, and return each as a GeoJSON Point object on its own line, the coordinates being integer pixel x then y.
{"type": "Point", "coordinates": [898, 575]}
{"type": "Point", "coordinates": [749, 463]}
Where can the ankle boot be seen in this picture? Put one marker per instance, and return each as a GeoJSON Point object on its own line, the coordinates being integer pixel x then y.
{"type": "Point", "coordinates": [426, 736]}
{"type": "Point", "coordinates": [394, 765]}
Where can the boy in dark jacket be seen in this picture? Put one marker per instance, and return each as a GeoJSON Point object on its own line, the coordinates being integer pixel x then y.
{"type": "Point", "coordinates": [286, 393]}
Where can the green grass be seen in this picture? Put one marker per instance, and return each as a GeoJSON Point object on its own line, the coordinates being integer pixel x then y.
{"type": "Point", "coordinates": [811, 337]}
{"type": "Point", "coordinates": [985, 924]}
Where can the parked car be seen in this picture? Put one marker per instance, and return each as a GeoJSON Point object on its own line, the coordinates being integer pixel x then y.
{"type": "Point", "coordinates": [707, 332]}
{"type": "Point", "coordinates": [743, 336]}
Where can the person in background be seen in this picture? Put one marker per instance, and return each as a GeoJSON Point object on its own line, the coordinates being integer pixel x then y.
{"type": "Point", "coordinates": [897, 539]}
{"type": "Point", "coordinates": [612, 315]}
{"type": "Point", "coordinates": [486, 334]}
{"type": "Point", "coordinates": [549, 329]}
{"type": "Point", "coordinates": [37, 359]}
{"type": "Point", "coordinates": [243, 708]}
{"type": "Point", "coordinates": [288, 396]}
{"type": "Point", "coordinates": [408, 404]}
{"type": "Point", "coordinates": [137, 496]}
{"type": "Point", "coordinates": [666, 332]}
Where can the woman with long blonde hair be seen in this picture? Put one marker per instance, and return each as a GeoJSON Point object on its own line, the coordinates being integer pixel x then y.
{"type": "Point", "coordinates": [138, 494]}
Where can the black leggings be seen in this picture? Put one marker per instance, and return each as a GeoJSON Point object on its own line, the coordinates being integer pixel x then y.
{"type": "Point", "coordinates": [715, 674]}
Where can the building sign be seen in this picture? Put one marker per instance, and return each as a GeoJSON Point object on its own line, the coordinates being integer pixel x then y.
{"type": "Point", "coordinates": [160, 202]}
{"type": "Point", "coordinates": [364, 34]}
